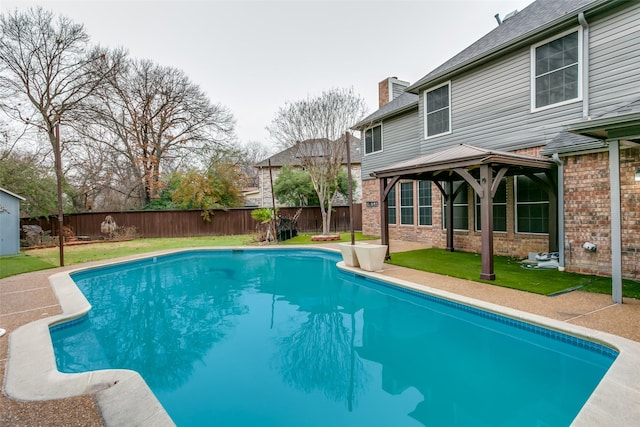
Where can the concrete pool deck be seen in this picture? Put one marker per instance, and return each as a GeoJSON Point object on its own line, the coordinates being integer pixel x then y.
{"type": "Point", "coordinates": [30, 300]}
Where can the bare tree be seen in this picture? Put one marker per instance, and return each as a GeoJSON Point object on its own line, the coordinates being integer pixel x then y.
{"type": "Point", "coordinates": [47, 69]}
{"type": "Point", "coordinates": [153, 119]}
{"type": "Point", "coordinates": [253, 152]}
{"type": "Point", "coordinates": [9, 138]}
{"type": "Point", "coordinates": [315, 128]}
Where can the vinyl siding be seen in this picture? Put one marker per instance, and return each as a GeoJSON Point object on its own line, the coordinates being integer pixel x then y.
{"type": "Point", "coordinates": [614, 76]}
{"type": "Point", "coordinates": [397, 90]}
{"type": "Point", "coordinates": [400, 141]}
{"type": "Point", "coordinates": [491, 108]}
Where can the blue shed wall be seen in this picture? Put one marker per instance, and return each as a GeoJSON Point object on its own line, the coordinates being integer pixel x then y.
{"type": "Point", "coordinates": [9, 224]}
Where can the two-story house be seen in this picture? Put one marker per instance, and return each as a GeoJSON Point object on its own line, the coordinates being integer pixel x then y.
{"type": "Point", "coordinates": [269, 169]}
{"type": "Point", "coordinates": [527, 141]}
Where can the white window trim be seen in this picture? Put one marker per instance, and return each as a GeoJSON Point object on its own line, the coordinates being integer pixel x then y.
{"type": "Point", "coordinates": [394, 206]}
{"type": "Point", "coordinates": [364, 139]}
{"type": "Point", "coordinates": [476, 204]}
{"type": "Point", "coordinates": [533, 70]}
{"type": "Point", "coordinates": [412, 206]}
{"type": "Point", "coordinates": [424, 103]}
{"type": "Point", "coordinates": [430, 184]}
{"type": "Point", "coordinates": [442, 206]}
{"type": "Point", "coordinates": [515, 209]}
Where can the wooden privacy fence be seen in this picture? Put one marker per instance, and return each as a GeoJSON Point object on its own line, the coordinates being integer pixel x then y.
{"type": "Point", "coordinates": [190, 223]}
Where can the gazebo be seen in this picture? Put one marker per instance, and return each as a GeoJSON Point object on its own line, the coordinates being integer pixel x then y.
{"type": "Point", "coordinates": [482, 169]}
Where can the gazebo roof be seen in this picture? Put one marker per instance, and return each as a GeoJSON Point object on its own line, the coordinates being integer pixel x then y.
{"type": "Point", "coordinates": [462, 156]}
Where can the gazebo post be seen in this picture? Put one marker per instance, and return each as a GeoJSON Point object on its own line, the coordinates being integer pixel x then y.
{"type": "Point", "coordinates": [449, 200]}
{"type": "Point", "coordinates": [486, 207]}
{"type": "Point", "coordinates": [384, 215]}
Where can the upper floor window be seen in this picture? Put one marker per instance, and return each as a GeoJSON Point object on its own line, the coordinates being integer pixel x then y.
{"type": "Point", "coordinates": [373, 139]}
{"type": "Point", "coordinates": [437, 111]}
{"type": "Point", "coordinates": [556, 71]}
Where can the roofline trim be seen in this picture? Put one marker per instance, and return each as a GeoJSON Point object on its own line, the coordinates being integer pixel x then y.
{"type": "Point", "coordinates": [510, 46]}
{"type": "Point", "coordinates": [478, 160]}
{"type": "Point", "coordinates": [363, 124]}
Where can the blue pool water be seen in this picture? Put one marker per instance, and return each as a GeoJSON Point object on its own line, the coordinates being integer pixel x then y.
{"type": "Point", "coordinates": [283, 338]}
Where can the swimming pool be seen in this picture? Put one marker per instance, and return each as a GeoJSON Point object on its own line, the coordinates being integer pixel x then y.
{"type": "Point", "coordinates": [282, 337]}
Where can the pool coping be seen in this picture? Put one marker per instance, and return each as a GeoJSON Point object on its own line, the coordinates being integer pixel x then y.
{"type": "Point", "coordinates": [123, 397]}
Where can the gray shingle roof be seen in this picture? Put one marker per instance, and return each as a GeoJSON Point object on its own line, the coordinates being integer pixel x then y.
{"type": "Point", "coordinates": [568, 142]}
{"type": "Point", "coordinates": [401, 103]}
{"type": "Point", "coordinates": [524, 25]}
{"type": "Point", "coordinates": [288, 156]}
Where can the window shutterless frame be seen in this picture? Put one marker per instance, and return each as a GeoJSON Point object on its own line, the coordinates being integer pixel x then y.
{"type": "Point", "coordinates": [425, 208]}
{"type": "Point", "coordinates": [531, 207]}
{"type": "Point", "coordinates": [406, 203]}
{"type": "Point", "coordinates": [392, 208]}
{"type": "Point", "coordinates": [556, 67]}
{"type": "Point", "coordinates": [437, 111]}
{"type": "Point", "coordinates": [373, 139]}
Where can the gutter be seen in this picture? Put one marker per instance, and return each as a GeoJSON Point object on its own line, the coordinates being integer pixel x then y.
{"type": "Point", "coordinates": [585, 65]}
{"type": "Point", "coordinates": [561, 241]}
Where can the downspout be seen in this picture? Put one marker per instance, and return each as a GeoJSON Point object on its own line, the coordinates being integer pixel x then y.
{"type": "Point", "coordinates": [560, 164]}
{"type": "Point", "coordinates": [585, 65]}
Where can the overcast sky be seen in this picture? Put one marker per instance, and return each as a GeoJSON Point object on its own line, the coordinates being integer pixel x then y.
{"type": "Point", "coordinates": [253, 56]}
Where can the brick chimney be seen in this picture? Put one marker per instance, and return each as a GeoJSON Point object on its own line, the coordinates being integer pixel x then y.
{"type": "Point", "coordinates": [389, 89]}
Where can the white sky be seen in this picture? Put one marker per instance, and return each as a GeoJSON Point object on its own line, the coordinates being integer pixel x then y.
{"type": "Point", "coordinates": [253, 56]}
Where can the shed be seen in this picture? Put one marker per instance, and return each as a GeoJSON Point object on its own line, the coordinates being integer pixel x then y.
{"type": "Point", "coordinates": [9, 222]}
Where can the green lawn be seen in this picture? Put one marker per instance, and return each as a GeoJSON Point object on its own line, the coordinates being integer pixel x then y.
{"type": "Point", "coordinates": [305, 239]}
{"type": "Point", "coordinates": [509, 273]}
{"type": "Point", "coordinates": [22, 263]}
{"type": "Point", "coordinates": [39, 259]}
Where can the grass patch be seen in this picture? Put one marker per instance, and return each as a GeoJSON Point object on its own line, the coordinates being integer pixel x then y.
{"type": "Point", "coordinates": [305, 239]}
{"type": "Point", "coordinates": [509, 273]}
{"type": "Point", "coordinates": [40, 259]}
{"type": "Point", "coordinates": [22, 263]}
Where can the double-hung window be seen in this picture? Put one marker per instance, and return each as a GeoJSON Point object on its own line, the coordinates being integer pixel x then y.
{"type": "Point", "coordinates": [437, 111]}
{"type": "Point", "coordinates": [373, 140]}
{"type": "Point", "coordinates": [460, 207]}
{"type": "Point", "coordinates": [391, 201]}
{"type": "Point", "coordinates": [499, 208]}
{"type": "Point", "coordinates": [406, 203]}
{"type": "Point", "coordinates": [532, 206]}
{"type": "Point", "coordinates": [556, 68]}
{"type": "Point", "coordinates": [424, 203]}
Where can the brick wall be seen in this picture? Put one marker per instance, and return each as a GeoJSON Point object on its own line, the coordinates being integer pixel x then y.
{"type": "Point", "coordinates": [370, 214]}
{"type": "Point", "coordinates": [587, 218]}
{"type": "Point", "coordinates": [630, 207]}
{"type": "Point", "coordinates": [383, 93]}
{"type": "Point", "coordinates": [588, 213]}
{"type": "Point", "coordinates": [507, 244]}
